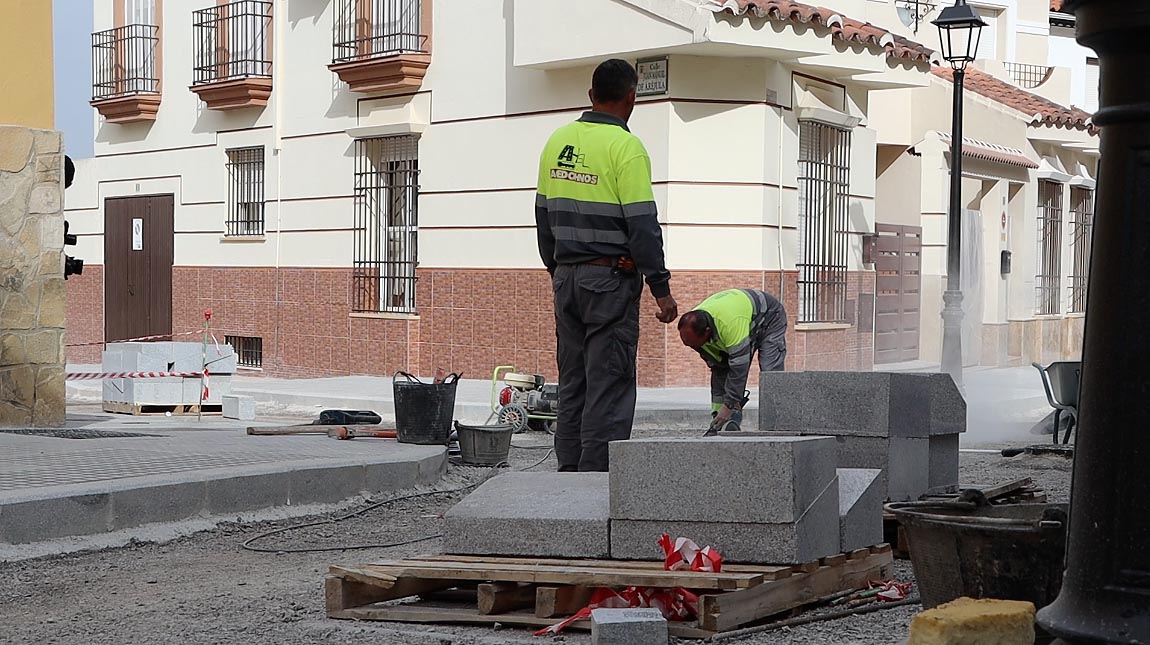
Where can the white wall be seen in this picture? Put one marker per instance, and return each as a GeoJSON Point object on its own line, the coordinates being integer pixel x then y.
{"type": "Point", "coordinates": [1066, 52]}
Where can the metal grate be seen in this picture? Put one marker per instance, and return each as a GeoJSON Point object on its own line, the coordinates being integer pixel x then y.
{"type": "Point", "coordinates": [366, 29]}
{"type": "Point", "coordinates": [824, 178]}
{"type": "Point", "coordinates": [1049, 246]}
{"type": "Point", "coordinates": [1028, 76]}
{"type": "Point", "coordinates": [386, 224]}
{"type": "Point", "coordinates": [124, 61]}
{"type": "Point", "coordinates": [1082, 220]}
{"type": "Point", "coordinates": [245, 191]}
{"type": "Point", "coordinates": [232, 41]}
{"type": "Point", "coordinates": [249, 350]}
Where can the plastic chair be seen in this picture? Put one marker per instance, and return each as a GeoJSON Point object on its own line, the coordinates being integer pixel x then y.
{"type": "Point", "coordinates": [1060, 380]}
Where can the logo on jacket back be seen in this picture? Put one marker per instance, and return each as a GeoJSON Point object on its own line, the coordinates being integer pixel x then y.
{"type": "Point", "coordinates": [569, 157]}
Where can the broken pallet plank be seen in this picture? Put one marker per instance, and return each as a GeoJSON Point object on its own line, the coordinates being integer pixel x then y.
{"type": "Point", "coordinates": [558, 574]}
{"type": "Point", "coordinates": [1002, 490]}
{"type": "Point", "coordinates": [721, 612]}
{"type": "Point", "coordinates": [502, 597]}
{"type": "Point", "coordinates": [352, 590]}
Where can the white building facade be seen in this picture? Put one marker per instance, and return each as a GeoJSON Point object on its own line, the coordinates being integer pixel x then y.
{"type": "Point", "coordinates": [348, 185]}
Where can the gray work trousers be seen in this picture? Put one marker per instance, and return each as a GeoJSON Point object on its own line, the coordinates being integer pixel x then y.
{"type": "Point", "coordinates": [597, 329]}
{"type": "Point", "coordinates": [771, 347]}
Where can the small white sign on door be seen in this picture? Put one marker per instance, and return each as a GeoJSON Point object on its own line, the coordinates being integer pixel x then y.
{"type": "Point", "coordinates": [137, 234]}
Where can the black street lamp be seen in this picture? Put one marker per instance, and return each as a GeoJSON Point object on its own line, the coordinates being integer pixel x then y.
{"type": "Point", "coordinates": [1105, 596]}
{"type": "Point", "coordinates": [959, 29]}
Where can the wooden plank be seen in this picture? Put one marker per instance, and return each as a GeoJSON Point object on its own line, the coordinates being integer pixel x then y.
{"type": "Point", "coordinates": [721, 612]}
{"type": "Point", "coordinates": [414, 613]}
{"type": "Point", "coordinates": [554, 574]}
{"type": "Point", "coordinates": [807, 567]}
{"type": "Point", "coordinates": [833, 560]}
{"type": "Point", "coordinates": [348, 590]}
{"type": "Point", "coordinates": [858, 554]}
{"type": "Point", "coordinates": [881, 548]}
{"type": "Point", "coordinates": [768, 571]}
{"type": "Point", "coordinates": [1005, 489]}
{"type": "Point", "coordinates": [502, 597]}
{"type": "Point", "coordinates": [551, 602]}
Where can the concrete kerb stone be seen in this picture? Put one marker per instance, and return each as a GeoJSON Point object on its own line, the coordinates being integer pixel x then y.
{"type": "Point", "coordinates": [239, 407]}
{"type": "Point", "coordinates": [860, 508]}
{"type": "Point", "coordinates": [645, 626]}
{"type": "Point", "coordinates": [33, 521]}
{"type": "Point", "coordinates": [533, 514]}
{"type": "Point", "coordinates": [813, 536]}
{"type": "Point", "coordinates": [768, 480]}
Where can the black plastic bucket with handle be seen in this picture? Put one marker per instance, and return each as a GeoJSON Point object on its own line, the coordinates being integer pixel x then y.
{"type": "Point", "coordinates": [423, 411]}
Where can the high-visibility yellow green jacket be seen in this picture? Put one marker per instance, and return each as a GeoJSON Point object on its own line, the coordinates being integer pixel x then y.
{"type": "Point", "coordinates": [740, 320]}
{"type": "Point", "coordinates": [595, 199]}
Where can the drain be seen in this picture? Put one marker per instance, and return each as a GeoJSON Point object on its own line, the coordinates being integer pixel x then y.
{"type": "Point", "coordinates": [74, 433]}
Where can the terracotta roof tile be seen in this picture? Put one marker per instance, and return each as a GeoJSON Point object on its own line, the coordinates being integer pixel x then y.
{"type": "Point", "coordinates": [841, 26]}
{"type": "Point", "coordinates": [1047, 112]}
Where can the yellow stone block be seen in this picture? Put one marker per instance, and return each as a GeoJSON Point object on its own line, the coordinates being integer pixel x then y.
{"type": "Point", "coordinates": [967, 621]}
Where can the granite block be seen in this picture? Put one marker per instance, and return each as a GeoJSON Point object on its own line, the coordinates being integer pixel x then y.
{"type": "Point", "coordinates": [860, 508]}
{"type": "Point", "coordinates": [908, 469]}
{"type": "Point", "coordinates": [628, 627]}
{"type": "Point", "coordinates": [943, 459]}
{"type": "Point", "coordinates": [719, 479]}
{"type": "Point", "coordinates": [532, 514]}
{"type": "Point", "coordinates": [238, 407]}
{"type": "Point", "coordinates": [812, 536]}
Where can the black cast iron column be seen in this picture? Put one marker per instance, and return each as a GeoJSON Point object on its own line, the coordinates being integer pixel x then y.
{"type": "Point", "coordinates": [1105, 597]}
{"type": "Point", "coordinates": [952, 297]}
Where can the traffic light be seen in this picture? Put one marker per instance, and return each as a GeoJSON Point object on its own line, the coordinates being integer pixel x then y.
{"type": "Point", "coordinates": [72, 266]}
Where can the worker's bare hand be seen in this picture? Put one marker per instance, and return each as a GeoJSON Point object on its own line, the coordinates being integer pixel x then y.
{"type": "Point", "coordinates": [722, 416]}
{"type": "Point", "coordinates": [668, 309]}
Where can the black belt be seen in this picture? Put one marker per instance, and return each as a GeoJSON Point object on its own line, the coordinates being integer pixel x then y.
{"type": "Point", "coordinates": [621, 263]}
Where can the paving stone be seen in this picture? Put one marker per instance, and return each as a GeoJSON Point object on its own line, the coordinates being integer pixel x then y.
{"type": "Point", "coordinates": [238, 407]}
{"type": "Point", "coordinates": [35, 521]}
{"type": "Point", "coordinates": [628, 627]}
{"type": "Point", "coordinates": [860, 507]}
{"type": "Point", "coordinates": [814, 535]}
{"type": "Point", "coordinates": [719, 479]}
{"type": "Point", "coordinates": [533, 514]}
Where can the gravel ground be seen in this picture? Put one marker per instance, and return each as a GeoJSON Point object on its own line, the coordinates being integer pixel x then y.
{"type": "Point", "coordinates": [206, 589]}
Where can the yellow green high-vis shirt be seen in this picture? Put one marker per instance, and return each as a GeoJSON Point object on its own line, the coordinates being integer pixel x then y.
{"type": "Point", "coordinates": [595, 199]}
{"type": "Point", "coordinates": [739, 320]}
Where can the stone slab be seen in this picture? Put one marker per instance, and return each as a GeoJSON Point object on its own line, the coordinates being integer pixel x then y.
{"type": "Point", "coordinates": [860, 508]}
{"type": "Point", "coordinates": [813, 536]}
{"type": "Point", "coordinates": [238, 407]}
{"type": "Point", "coordinates": [628, 627]}
{"type": "Point", "coordinates": [171, 357]}
{"type": "Point", "coordinates": [908, 469]}
{"type": "Point", "coordinates": [719, 479]}
{"type": "Point", "coordinates": [533, 514]}
{"type": "Point", "coordinates": [943, 459]}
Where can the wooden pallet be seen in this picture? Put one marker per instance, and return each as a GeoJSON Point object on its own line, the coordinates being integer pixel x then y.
{"type": "Point", "coordinates": [137, 409]}
{"type": "Point", "coordinates": [539, 592]}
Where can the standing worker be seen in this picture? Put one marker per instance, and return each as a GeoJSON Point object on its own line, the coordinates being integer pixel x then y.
{"type": "Point", "coordinates": [727, 329]}
{"type": "Point", "coordinates": [599, 236]}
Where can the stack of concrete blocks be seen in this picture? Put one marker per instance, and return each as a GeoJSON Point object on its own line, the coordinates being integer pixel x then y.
{"type": "Point", "coordinates": [167, 357]}
{"type": "Point", "coordinates": [905, 424]}
{"type": "Point", "coordinates": [757, 500]}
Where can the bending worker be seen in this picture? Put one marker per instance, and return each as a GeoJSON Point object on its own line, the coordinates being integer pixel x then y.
{"type": "Point", "coordinates": [727, 329]}
{"type": "Point", "coordinates": [599, 237]}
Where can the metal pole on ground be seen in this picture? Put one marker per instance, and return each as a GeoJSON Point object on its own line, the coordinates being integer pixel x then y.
{"type": "Point", "coordinates": [1105, 595]}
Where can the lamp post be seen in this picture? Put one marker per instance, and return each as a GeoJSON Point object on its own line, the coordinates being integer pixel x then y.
{"type": "Point", "coordinates": [1105, 596]}
{"type": "Point", "coordinates": [959, 29]}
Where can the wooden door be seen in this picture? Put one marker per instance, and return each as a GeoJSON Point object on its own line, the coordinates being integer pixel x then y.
{"type": "Point", "coordinates": [138, 245]}
{"type": "Point", "coordinates": [898, 264]}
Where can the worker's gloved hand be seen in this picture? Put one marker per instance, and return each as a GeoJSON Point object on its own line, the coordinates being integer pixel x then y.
{"type": "Point", "coordinates": [668, 309]}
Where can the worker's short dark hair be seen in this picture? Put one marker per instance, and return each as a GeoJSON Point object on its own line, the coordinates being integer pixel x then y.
{"type": "Point", "coordinates": [613, 80]}
{"type": "Point", "coordinates": [696, 321]}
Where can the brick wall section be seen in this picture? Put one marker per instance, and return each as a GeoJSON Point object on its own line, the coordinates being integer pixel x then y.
{"type": "Point", "coordinates": [470, 320]}
{"type": "Point", "coordinates": [85, 315]}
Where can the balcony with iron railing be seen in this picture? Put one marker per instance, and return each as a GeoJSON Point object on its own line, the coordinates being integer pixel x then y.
{"type": "Point", "coordinates": [232, 66]}
{"type": "Point", "coordinates": [381, 47]}
{"type": "Point", "coordinates": [1026, 76]}
{"type": "Point", "coordinates": [125, 76]}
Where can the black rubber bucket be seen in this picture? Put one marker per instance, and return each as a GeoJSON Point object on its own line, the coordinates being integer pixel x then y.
{"type": "Point", "coordinates": [968, 548]}
{"type": "Point", "coordinates": [423, 411]}
{"type": "Point", "coordinates": [484, 445]}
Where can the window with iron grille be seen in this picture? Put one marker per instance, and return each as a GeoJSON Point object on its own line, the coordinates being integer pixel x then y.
{"type": "Point", "coordinates": [824, 178]}
{"type": "Point", "coordinates": [1082, 221]}
{"type": "Point", "coordinates": [249, 350]}
{"type": "Point", "coordinates": [366, 29]}
{"type": "Point", "coordinates": [232, 41]}
{"type": "Point", "coordinates": [1049, 246]}
{"type": "Point", "coordinates": [386, 224]}
{"type": "Point", "coordinates": [245, 191]}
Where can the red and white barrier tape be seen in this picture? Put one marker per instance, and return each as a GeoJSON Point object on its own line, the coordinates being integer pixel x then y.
{"type": "Point", "coordinates": [137, 340]}
{"type": "Point", "coordinates": [99, 376]}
